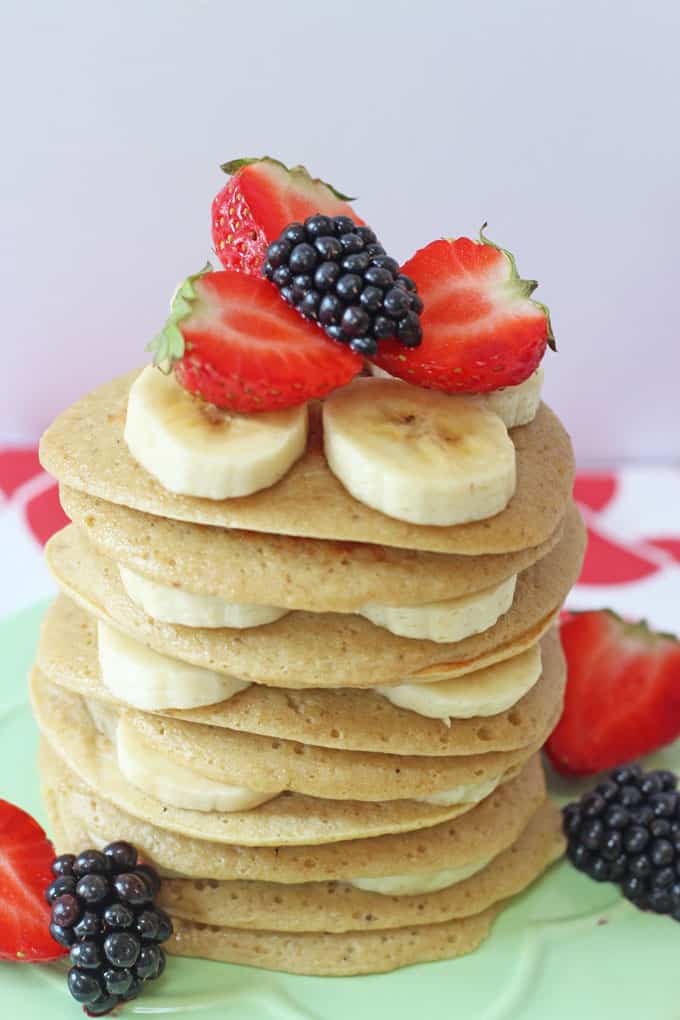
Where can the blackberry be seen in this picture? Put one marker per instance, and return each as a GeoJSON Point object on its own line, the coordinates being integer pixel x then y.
{"type": "Point", "coordinates": [103, 912]}
{"type": "Point", "coordinates": [62, 886]}
{"type": "Point", "coordinates": [336, 273]}
{"type": "Point", "coordinates": [63, 865]}
{"type": "Point", "coordinates": [627, 831]}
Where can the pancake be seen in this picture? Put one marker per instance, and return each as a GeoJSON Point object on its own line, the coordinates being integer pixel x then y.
{"type": "Point", "coordinates": [449, 844]}
{"type": "Point", "coordinates": [267, 764]}
{"type": "Point", "coordinates": [344, 719]}
{"type": "Point", "coordinates": [322, 649]}
{"type": "Point", "coordinates": [291, 819]}
{"type": "Point", "coordinates": [338, 906]}
{"type": "Point", "coordinates": [337, 955]}
{"type": "Point", "coordinates": [256, 568]}
{"type": "Point", "coordinates": [84, 448]}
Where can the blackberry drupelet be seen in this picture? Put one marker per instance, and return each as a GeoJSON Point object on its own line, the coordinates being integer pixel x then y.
{"type": "Point", "coordinates": [103, 912]}
{"type": "Point", "coordinates": [627, 831]}
{"type": "Point", "coordinates": [337, 274]}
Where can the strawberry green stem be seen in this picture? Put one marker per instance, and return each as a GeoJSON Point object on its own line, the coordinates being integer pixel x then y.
{"type": "Point", "coordinates": [525, 287]}
{"type": "Point", "coordinates": [234, 165]}
{"type": "Point", "coordinates": [168, 345]}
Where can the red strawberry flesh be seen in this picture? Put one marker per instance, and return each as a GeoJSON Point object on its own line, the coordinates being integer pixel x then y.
{"type": "Point", "coordinates": [481, 330]}
{"type": "Point", "coordinates": [262, 197]}
{"type": "Point", "coordinates": [623, 693]}
{"type": "Point", "coordinates": [26, 856]}
{"type": "Point", "coordinates": [239, 241]}
{"type": "Point", "coordinates": [246, 350]}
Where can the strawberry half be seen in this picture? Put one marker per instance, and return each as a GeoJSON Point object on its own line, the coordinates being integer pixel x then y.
{"type": "Point", "coordinates": [26, 856]}
{"type": "Point", "coordinates": [623, 693]}
{"type": "Point", "coordinates": [481, 329]}
{"type": "Point", "coordinates": [262, 197]}
{"type": "Point", "coordinates": [233, 342]}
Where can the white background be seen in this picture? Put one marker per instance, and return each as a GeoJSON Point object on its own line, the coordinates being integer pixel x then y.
{"type": "Point", "coordinates": [556, 122]}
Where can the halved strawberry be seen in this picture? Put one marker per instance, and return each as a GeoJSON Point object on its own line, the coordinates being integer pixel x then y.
{"type": "Point", "coordinates": [262, 197]}
{"type": "Point", "coordinates": [623, 693]}
{"type": "Point", "coordinates": [236, 344]}
{"type": "Point", "coordinates": [481, 330]}
{"type": "Point", "coordinates": [26, 856]}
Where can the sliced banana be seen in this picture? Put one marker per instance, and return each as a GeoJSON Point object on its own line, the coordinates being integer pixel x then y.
{"type": "Point", "coordinates": [105, 717]}
{"type": "Point", "coordinates": [379, 373]}
{"type": "Point", "coordinates": [466, 793]}
{"type": "Point", "coordinates": [195, 449]}
{"type": "Point", "coordinates": [485, 692]}
{"type": "Point", "coordinates": [419, 884]}
{"type": "Point", "coordinates": [452, 620]}
{"type": "Point", "coordinates": [171, 605]}
{"type": "Point", "coordinates": [145, 679]}
{"type": "Point", "coordinates": [419, 455]}
{"type": "Point", "coordinates": [516, 405]}
{"type": "Point", "coordinates": [160, 777]}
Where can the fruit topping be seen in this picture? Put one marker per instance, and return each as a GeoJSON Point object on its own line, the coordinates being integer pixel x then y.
{"type": "Point", "coordinates": [417, 456]}
{"type": "Point", "coordinates": [25, 858]}
{"type": "Point", "coordinates": [627, 831]}
{"type": "Point", "coordinates": [623, 693]}
{"type": "Point", "coordinates": [103, 912]}
{"type": "Point", "coordinates": [193, 448]}
{"type": "Point", "coordinates": [339, 275]}
{"type": "Point", "coordinates": [262, 196]}
{"type": "Point", "coordinates": [481, 328]}
{"type": "Point", "coordinates": [234, 343]}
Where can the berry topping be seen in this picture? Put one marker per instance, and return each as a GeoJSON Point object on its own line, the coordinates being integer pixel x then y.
{"type": "Point", "coordinates": [63, 865]}
{"type": "Point", "coordinates": [623, 695]}
{"type": "Point", "coordinates": [90, 862]}
{"type": "Point", "coordinates": [59, 887]}
{"type": "Point", "coordinates": [481, 329]}
{"type": "Point", "coordinates": [261, 197]}
{"type": "Point", "coordinates": [123, 857]}
{"type": "Point", "coordinates": [334, 273]}
{"type": "Point", "coordinates": [234, 343]}
{"type": "Point", "coordinates": [109, 924]}
{"type": "Point", "coordinates": [627, 831]}
{"type": "Point", "coordinates": [27, 932]}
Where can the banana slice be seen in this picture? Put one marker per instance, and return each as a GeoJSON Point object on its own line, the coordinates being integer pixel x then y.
{"type": "Point", "coordinates": [144, 679]}
{"type": "Point", "coordinates": [485, 692]}
{"type": "Point", "coordinates": [419, 884]}
{"type": "Point", "coordinates": [156, 774]}
{"type": "Point", "coordinates": [470, 793]}
{"type": "Point", "coordinates": [105, 717]}
{"type": "Point", "coordinates": [170, 605]}
{"type": "Point", "coordinates": [516, 405]}
{"type": "Point", "coordinates": [379, 373]}
{"type": "Point", "coordinates": [418, 455]}
{"type": "Point", "coordinates": [452, 620]}
{"type": "Point", "coordinates": [195, 449]}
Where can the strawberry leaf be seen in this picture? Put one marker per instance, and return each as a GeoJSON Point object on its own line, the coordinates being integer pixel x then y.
{"type": "Point", "coordinates": [168, 345]}
{"type": "Point", "coordinates": [524, 287]}
{"type": "Point", "coordinates": [233, 166]}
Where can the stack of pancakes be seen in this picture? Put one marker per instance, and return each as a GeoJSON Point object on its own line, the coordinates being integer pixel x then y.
{"type": "Point", "coordinates": [382, 836]}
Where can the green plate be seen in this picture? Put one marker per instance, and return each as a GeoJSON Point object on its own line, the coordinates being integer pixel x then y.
{"type": "Point", "coordinates": [567, 949]}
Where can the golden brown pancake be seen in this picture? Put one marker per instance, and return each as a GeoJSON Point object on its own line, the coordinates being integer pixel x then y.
{"type": "Point", "coordinates": [288, 820]}
{"type": "Point", "coordinates": [344, 719]}
{"type": "Point", "coordinates": [322, 649]}
{"type": "Point", "coordinates": [84, 448]}
{"type": "Point", "coordinates": [449, 844]}
{"type": "Point", "coordinates": [257, 568]}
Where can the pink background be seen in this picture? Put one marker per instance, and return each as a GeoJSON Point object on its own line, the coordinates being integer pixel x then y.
{"type": "Point", "coordinates": [555, 121]}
